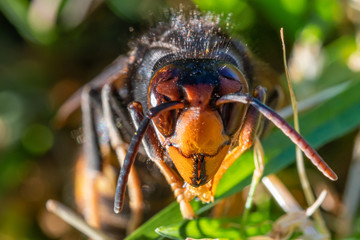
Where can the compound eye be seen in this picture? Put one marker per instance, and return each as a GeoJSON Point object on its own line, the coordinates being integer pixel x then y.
{"type": "Point", "coordinates": [232, 81]}
{"type": "Point", "coordinates": [232, 115]}
{"type": "Point", "coordinates": [229, 72]}
{"type": "Point", "coordinates": [163, 88]}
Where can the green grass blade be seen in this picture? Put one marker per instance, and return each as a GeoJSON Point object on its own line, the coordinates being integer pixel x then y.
{"type": "Point", "coordinates": [203, 227]}
{"type": "Point", "coordinates": [16, 12]}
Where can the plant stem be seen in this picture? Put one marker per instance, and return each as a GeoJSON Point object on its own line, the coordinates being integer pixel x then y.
{"type": "Point", "coordinates": [299, 157]}
{"type": "Point", "coordinates": [74, 220]}
{"type": "Point", "coordinates": [258, 172]}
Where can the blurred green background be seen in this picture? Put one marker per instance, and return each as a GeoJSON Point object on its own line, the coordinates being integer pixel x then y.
{"type": "Point", "coordinates": [48, 49]}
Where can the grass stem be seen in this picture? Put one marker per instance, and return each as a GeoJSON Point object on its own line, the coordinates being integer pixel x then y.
{"type": "Point", "coordinates": [299, 157]}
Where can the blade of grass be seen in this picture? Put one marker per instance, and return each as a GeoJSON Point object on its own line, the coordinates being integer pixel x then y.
{"type": "Point", "coordinates": [203, 228]}
{"type": "Point", "coordinates": [16, 12]}
{"type": "Point", "coordinates": [351, 196]}
{"type": "Point", "coordinates": [258, 172]}
{"type": "Point", "coordinates": [310, 198]}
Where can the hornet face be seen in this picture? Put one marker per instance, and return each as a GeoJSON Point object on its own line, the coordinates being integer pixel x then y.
{"type": "Point", "coordinates": [197, 138]}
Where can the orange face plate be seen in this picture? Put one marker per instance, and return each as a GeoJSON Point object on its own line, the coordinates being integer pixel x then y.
{"type": "Point", "coordinates": [197, 169]}
{"type": "Point", "coordinates": [195, 137]}
{"type": "Point", "coordinates": [199, 144]}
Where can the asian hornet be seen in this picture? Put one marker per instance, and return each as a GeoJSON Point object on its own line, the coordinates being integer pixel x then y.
{"type": "Point", "coordinates": [194, 99]}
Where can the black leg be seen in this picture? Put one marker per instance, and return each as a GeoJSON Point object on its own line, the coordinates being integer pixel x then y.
{"type": "Point", "coordinates": [90, 106]}
{"type": "Point", "coordinates": [119, 145]}
{"type": "Point", "coordinates": [118, 70]}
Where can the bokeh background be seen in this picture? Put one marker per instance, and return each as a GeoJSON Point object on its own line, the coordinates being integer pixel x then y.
{"type": "Point", "coordinates": [49, 49]}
